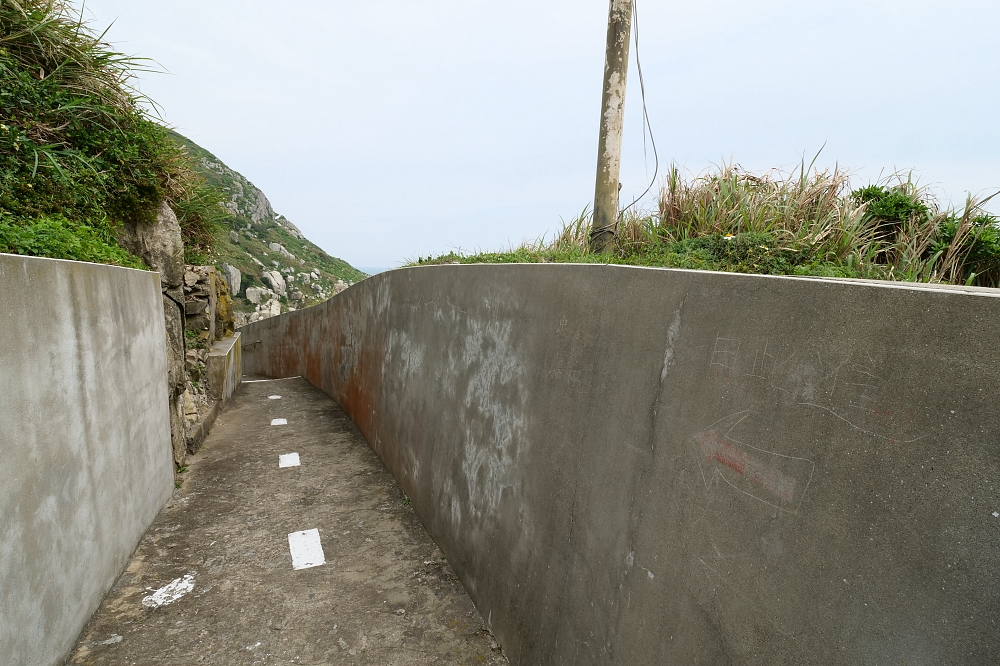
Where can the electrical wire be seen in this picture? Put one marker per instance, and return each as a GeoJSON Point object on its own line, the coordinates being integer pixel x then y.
{"type": "Point", "coordinates": [645, 113]}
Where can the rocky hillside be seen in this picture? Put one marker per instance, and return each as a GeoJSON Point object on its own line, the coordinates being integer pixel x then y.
{"type": "Point", "coordinates": [271, 267]}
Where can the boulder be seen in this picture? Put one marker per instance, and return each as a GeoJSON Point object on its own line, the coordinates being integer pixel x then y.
{"type": "Point", "coordinates": [159, 244]}
{"type": "Point", "coordinates": [280, 249]}
{"type": "Point", "coordinates": [270, 309]}
{"type": "Point", "coordinates": [234, 237]}
{"type": "Point", "coordinates": [256, 295]}
{"type": "Point", "coordinates": [233, 278]}
{"type": "Point", "coordinates": [276, 281]}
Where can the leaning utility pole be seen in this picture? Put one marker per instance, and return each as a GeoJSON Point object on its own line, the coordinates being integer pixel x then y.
{"type": "Point", "coordinates": [609, 147]}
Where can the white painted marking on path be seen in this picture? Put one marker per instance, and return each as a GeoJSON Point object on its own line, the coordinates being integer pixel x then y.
{"type": "Point", "coordinates": [288, 460]}
{"type": "Point", "coordinates": [274, 397]}
{"type": "Point", "coordinates": [306, 549]}
{"type": "Point", "coordinates": [169, 593]}
{"type": "Point", "coordinates": [115, 638]}
{"type": "Point", "coordinates": [279, 421]}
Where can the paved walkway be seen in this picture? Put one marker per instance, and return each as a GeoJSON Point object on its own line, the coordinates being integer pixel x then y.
{"type": "Point", "coordinates": [212, 581]}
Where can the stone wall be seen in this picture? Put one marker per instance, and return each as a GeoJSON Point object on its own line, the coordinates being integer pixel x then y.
{"type": "Point", "coordinates": [198, 311]}
{"type": "Point", "coordinates": [208, 308]}
{"type": "Point", "coordinates": [648, 466]}
{"type": "Point", "coordinates": [85, 442]}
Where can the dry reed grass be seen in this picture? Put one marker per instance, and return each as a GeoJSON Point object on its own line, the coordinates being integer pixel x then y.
{"type": "Point", "coordinates": [813, 219]}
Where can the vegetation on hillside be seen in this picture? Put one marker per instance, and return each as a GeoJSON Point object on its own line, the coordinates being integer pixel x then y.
{"type": "Point", "coordinates": [808, 222]}
{"type": "Point", "coordinates": [80, 157]}
{"type": "Point", "coordinates": [250, 226]}
{"type": "Point", "coordinates": [78, 154]}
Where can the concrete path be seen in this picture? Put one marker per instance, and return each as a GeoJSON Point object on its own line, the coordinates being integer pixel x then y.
{"type": "Point", "coordinates": [212, 582]}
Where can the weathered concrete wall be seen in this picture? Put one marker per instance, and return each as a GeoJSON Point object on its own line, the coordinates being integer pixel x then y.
{"type": "Point", "coordinates": [224, 368]}
{"type": "Point", "coordinates": [642, 466]}
{"type": "Point", "coordinates": [85, 448]}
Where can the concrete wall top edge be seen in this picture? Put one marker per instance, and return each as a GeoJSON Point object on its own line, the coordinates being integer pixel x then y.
{"type": "Point", "coordinates": [886, 284]}
{"type": "Point", "coordinates": [73, 261]}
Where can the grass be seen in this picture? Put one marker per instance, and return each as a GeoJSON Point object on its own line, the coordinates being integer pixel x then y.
{"type": "Point", "coordinates": [76, 143]}
{"type": "Point", "coordinates": [194, 340]}
{"type": "Point", "coordinates": [807, 222]}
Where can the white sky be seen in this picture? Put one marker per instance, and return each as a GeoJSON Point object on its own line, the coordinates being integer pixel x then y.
{"type": "Point", "coordinates": [387, 129]}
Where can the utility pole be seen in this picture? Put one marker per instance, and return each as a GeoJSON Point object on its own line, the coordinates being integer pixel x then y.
{"type": "Point", "coordinates": [609, 147]}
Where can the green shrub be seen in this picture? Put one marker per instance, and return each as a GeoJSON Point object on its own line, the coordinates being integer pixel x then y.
{"type": "Point", "coordinates": [58, 238]}
{"type": "Point", "coordinates": [892, 204]}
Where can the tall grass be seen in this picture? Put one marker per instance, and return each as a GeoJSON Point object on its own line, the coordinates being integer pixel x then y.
{"type": "Point", "coordinates": [77, 144]}
{"type": "Point", "coordinates": [804, 222]}
{"type": "Point", "coordinates": [50, 39]}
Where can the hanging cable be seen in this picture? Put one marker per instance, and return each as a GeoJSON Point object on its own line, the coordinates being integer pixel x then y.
{"type": "Point", "coordinates": [645, 113]}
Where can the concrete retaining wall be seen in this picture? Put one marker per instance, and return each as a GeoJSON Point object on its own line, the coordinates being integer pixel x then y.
{"type": "Point", "coordinates": [224, 368]}
{"type": "Point", "coordinates": [642, 466]}
{"type": "Point", "coordinates": [85, 457]}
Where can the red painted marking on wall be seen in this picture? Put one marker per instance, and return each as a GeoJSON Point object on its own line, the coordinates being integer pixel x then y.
{"type": "Point", "coordinates": [716, 449]}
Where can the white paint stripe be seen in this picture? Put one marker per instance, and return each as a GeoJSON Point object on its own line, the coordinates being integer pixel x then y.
{"type": "Point", "coordinates": [274, 397]}
{"type": "Point", "coordinates": [171, 592]}
{"type": "Point", "coordinates": [279, 421]}
{"type": "Point", "coordinates": [306, 549]}
{"type": "Point", "coordinates": [288, 460]}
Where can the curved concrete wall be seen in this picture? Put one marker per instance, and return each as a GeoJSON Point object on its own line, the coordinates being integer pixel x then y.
{"type": "Point", "coordinates": [85, 461]}
{"type": "Point", "coordinates": [643, 466]}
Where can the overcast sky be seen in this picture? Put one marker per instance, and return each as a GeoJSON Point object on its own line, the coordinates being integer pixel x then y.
{"type": "Point", "coordinates": [388, 130]}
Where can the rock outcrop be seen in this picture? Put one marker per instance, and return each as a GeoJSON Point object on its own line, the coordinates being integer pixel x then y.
{"type": "Point", "coordinates": [257, 240]}
{"type": "Point", "coordinates": [233, 279]}
{"type": "Point", "coordinates": [160, 245]}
